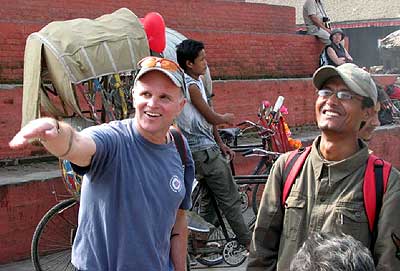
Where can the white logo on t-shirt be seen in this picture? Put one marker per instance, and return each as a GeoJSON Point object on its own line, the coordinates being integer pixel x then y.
{"type": "Point", "coordinates": [175, 184]}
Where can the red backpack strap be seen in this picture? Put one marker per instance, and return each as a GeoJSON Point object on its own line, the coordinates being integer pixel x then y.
{"type": "Point", "coordinates": [179, 143]}
{"type": "Point", "coordinates": [292, 168]}
{"type": "Point", "coordinates": [375, 183]}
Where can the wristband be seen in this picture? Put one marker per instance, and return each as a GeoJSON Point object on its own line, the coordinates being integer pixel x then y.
{"type": "Point", "coordinates": [57, 126]}
{"type": "Point", "coordinates": [71, 137]}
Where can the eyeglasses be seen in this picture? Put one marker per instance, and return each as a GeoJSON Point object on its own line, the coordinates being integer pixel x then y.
{"type": "Point", "coordinates": [166, 64]}
{"type": "Point", "coordinates": [341, 95]}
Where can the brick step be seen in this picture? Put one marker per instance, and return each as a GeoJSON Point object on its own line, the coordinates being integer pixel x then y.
{"type": "Point", "coordinates": [241, 97]}
{"type": "Point", "coordinates": [254, 55]}
{"type": "Point", "coordinates": [177, 14]}
{"type": "Point", "coordinates": [183, 16]}
{"type": "Point", "coordinates": [231, 55]}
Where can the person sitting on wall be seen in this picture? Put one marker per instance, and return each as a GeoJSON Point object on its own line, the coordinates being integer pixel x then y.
{"type": "Point", "coordinates": [316, 20]}
{"type": "Point", "coordinates": [335, 52]}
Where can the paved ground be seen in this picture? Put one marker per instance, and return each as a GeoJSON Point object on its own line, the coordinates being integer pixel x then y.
{"type": "Point", "coordinates": [27, 266]}
{"type": "Point", "coordinates": [18, 266]}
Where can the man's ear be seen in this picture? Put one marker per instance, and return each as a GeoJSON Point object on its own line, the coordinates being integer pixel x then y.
{"type": "Point", "coordinates": [189, 64]}
{"type": "Point", "coordinates": [182, 104]}
{"type": "Point", "coordinates": [368, 113]}
{"type": "Point", "coordinates": [133, 98]}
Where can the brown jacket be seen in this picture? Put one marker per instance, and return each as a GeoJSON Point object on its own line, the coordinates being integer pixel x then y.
{"type": "Point", "coordinates": [326, 197]}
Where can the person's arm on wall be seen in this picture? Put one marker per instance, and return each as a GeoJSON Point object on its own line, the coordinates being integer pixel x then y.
{"type": "Point", "coordinates": [179, 241]}
{"type": "Point", "coordinates": [59, 138]}
{"type": "Point", "coordinates": [206, 111]}
{"type": "Point", "coordinates": [333, 56]}
{"type": "Point", "coordinates": [387, 247]}
{"type": "Point", "coordinates": [348, 56]}
{"type": "Point", "coordinates": [267, 232]}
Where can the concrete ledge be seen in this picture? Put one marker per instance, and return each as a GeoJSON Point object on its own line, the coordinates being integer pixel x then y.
{"type": "Point", "coordinates": [27, 172]}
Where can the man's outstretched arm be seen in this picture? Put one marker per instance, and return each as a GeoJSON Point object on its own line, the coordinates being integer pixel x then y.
{"type": "Point", "coordinates": [59, 138]}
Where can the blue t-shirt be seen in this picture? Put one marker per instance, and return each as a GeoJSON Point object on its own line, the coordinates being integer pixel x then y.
{"type": "Point", "coordinates": [129, 199]}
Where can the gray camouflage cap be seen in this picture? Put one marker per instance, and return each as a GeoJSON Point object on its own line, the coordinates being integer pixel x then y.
{"type": "Point", "coordinates": [355, 78]}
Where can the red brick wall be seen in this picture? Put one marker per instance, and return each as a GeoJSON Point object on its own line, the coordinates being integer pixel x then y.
{"type": "Point", "coordinates": [385, 143]}
{"type": "Point", "coordinates": [21, 208]}
{"type": "Point", "coordinates": [249, 55]}
{"type": "Point", "coordinates": [241, 97]}
{"type": "Point", "coordinates": [244, 97]}
{"type": "Point", "coordinates": [233, 17]}
{"type": "Point", "coordinates": [10, 122]}
{"type": "Point", "coordinates": [179, 14]}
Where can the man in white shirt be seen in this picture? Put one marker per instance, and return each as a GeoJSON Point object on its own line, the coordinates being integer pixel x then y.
{"type": "Point", "coordinates": [316, 20]}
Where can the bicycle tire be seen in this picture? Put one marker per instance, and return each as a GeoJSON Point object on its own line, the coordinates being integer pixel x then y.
{"type": "Point", "coordinates": [216, 237]}
{"type": "Point", "coordinates": [187, 262]}
{"type": "Point", "coordinates": [53, 237]}
{"type": "Point", "coordinates": [263, 168]}
{"type": "Point", "coordinates": [244, 197]}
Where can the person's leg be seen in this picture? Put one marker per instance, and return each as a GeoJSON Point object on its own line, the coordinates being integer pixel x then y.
{"type": "Point", "coordinates": [206, 210]}
{"type": "Point", "coordinates": [218, 176]}
{"type": "Point", "coordinates": [323, 35]}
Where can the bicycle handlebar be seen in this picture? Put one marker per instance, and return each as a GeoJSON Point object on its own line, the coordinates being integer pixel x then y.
{"type": "Point", "coordinates": [262, 131]}
{"type": "Point", "coordinates": [260, 152]}
{"type": "Point", "coordinates": [247, 122]}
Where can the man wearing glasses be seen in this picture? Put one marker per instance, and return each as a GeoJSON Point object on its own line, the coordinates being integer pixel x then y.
{"type": "Point", "coordinates": [327, 195]}
{"type": "Point", "coordinates": [134, 190]}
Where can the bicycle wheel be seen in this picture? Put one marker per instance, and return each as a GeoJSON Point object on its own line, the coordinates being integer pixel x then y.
{"type": "Point", "coordinates": [244, 198]}
{"type": "Point", "coordinates": [263, 168]}
{"type": "Point", "coordinates": [53, 237]}
{"type": "Point", "coordinates": [216, 239]}
{"type": "Point", "coordinates": [187, 262]}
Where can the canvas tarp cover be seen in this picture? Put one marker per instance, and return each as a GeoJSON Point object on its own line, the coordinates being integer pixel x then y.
{"type": "Point", "coordinates": [390, 52]}
{"type": "Point", "coordinates": [78, 50]}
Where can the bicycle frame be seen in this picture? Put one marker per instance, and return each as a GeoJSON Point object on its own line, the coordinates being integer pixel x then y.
{"type": "Point", "coordinates": [213, 247]}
